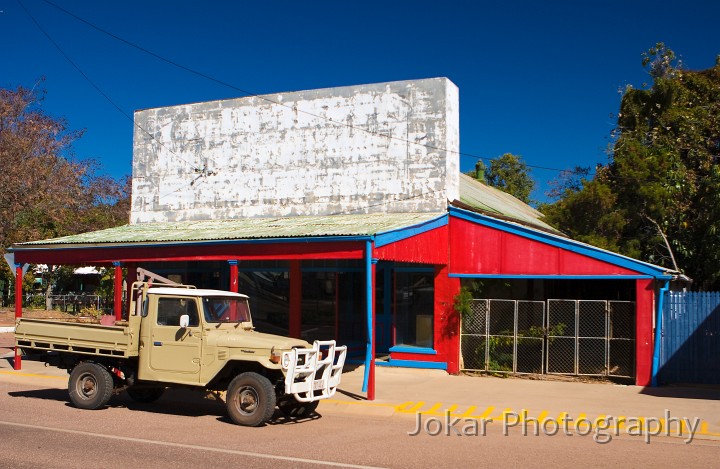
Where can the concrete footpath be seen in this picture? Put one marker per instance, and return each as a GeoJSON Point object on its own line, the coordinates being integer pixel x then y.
{"type": "Point", "coordinates": [405, 393]}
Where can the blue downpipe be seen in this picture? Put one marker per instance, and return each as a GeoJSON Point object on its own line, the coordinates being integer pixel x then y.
{"type": "Point", "coordinates": [658, 333]}
{"type": "Point", "coordinates": [368, 302]}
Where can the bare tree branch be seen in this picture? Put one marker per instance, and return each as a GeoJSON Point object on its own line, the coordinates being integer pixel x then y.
{"type": "Point", "coordinates": [667, 244]}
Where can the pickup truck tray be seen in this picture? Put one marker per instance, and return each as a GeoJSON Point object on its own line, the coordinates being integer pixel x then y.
{"type": "Point", "coordinates": [80, 338]}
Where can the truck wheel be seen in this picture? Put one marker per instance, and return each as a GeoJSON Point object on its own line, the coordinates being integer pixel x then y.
{"type": "Point", "coordinates": [145, 395]}
{"type": "Point", "coordinates": [250, 399]}
{"type": "Point", "coordinates": [291, 407]}
{"type": "Point", "coordinates": [90, 386]}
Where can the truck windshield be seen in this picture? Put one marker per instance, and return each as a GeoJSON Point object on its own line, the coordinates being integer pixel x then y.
{"type": "Point", "coordinates": [226, 309]}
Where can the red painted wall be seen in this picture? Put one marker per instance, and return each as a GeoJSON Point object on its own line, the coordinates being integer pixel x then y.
{"type": "Point", "coordinates": [430, 247]}
{"type": "Point", "coordinates": [644, 307]}
{"type": "Point", "coordinates": [447, 321]}
{"type": "Point", "coordinates": [477, 249]}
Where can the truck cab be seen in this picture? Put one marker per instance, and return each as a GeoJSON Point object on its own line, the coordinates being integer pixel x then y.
{"type": "Point", "coordinates": [187, 336]}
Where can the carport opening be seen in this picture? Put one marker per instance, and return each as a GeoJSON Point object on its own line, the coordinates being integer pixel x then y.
{"type": "Point", "coordinates": [550, 326]}
{"type": "Point", "coordinates": [544, 289]}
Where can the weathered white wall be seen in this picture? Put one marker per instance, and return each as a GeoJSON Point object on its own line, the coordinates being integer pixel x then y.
{"type": "Point", "coordinates": [317, 152]}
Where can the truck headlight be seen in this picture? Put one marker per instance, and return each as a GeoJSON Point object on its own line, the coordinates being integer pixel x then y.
{"type": "Point", "coordinates": [286, 360]}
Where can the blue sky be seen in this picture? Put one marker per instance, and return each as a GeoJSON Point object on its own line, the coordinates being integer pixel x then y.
{"type": "Point", "coordinates": [537, 79]}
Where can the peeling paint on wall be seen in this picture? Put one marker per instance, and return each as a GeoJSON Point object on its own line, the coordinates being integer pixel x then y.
{"type": "Point", "coordinates": [317, 152]}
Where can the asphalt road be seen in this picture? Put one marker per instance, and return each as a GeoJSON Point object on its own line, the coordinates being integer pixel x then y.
{"type": "Point", "coordinates": [39, 428]}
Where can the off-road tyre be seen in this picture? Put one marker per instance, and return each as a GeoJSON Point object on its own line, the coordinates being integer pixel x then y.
{"type": "Point", "coordinates": [90, 386]}
{"type": "Point", "coordinates": [145, 395]}
{"type": "Point", "coordinates": [250, 400]}
{"type": "Point", "coordinates": [292, 408]}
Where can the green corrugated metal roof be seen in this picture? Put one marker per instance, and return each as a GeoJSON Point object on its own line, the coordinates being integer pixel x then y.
{"type": "Point", "coordinates": [491, 201]}
{"type": "Point", "coordinates": [246, 228]}
{"type": "Point", "coordinates": [485, 199]}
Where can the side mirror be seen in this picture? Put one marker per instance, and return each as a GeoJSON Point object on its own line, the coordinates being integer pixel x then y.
{"type": "Point", "coordinates": [184, 321]}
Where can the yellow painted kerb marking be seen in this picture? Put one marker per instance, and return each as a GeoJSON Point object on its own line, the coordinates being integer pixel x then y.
{"type": "Point", "coordinates": [32, 375]}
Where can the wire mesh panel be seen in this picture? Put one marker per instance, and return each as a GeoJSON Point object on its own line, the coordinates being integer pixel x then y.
{"type": "Point", "coordinates": [473, 337]}
{"type": "Point", "coordinates": [504, 336]}
{"type": "Point", "coordinates": [476, 321]}
{"type": "Point", "coordinates": [621, 342]}
{"type": "Point", "coordinates": [501, 335]}
{"type": "Point", "coordinates": [529, 345]}
{"type": "Point", "coordinates": [562, 337]}
{"type": "Point", "coordinates": [474, 349]}
{"type": "Point", "coordinates": [592, 337]}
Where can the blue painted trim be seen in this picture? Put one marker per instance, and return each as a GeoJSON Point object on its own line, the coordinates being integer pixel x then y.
{"type": "Point", "coordinates": [658, 333]}
{"type": "Point", "coordinates": [414, 364]}
{"type": "Point", "coordinates": [393, 236]}
{"type": "Point", "coordinates": [368, 308]}
{"type": "Point", "coordinates": [564, 243]}
{"type": "Point", "coordinates": [232, 262]}
{"type": "Point", "coordinates": [556, 277]}
{"type": "Point", "coordinates": [410, 349]}
{"type": "Point", "coordinates": [422, 270]}
{"type": "Point", "coordinates": [315, 239]}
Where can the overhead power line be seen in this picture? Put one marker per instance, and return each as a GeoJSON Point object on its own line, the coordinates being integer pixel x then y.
{"type": "Point", "coordinates": [272, 101]}
{"type": "Point", "coordinates": [102, 93]}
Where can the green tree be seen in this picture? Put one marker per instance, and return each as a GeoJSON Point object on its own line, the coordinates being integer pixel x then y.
{"type": "Point", "coordinates": [44, 191]}
{"type": "Point", "coordinates": [658, 198]}
{"type": "Point", "coordinates": [509, 173]}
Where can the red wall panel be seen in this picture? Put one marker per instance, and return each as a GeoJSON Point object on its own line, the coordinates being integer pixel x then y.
{"type": "Point", "coordinates": [520, 255]}
{"type": "Point", "coordinates": [572, 263]}
{"type": "Point", "coordinates": [478, 249]}
{"type": "Point", "coordinates": [446, 328]}
{"type": "Point", "coordinates": [644, 308]}
{"type": "Point", "coordinates": [430, 247]}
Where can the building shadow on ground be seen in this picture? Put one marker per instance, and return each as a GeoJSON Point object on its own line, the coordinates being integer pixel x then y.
{"type": "Point", "coordinates": [707, 392]}
{"type": "Point", "coordinates": [181, 402]}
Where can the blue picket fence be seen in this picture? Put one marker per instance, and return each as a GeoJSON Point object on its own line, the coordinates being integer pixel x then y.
{"type": "Point", "coordinates": [690, 345]}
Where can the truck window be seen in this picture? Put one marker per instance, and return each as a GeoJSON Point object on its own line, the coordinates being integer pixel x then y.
{"type": "Point", "coordinates": [219, 309]}
{"type": "Point", "coordinates": [170, 310]}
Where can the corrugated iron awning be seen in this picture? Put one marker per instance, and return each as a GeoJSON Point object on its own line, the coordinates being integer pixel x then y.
{"type": "Point", "coordinates": [241, 229]}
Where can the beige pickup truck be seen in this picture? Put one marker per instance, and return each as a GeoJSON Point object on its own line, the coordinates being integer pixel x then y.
{"type": "Point", "coordinates": [177, 335]}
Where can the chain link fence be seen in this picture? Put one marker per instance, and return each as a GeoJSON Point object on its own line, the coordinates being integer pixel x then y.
{"type": "Point", "coordinates": [621, 342]}
{"type": "Point", "coordinates": [573, 337]}
{"type": "Point", "coordinates": [503, 336]}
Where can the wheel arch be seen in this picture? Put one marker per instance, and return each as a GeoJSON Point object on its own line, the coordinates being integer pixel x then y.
{"type": "Point", "coordinates": [234, 368]}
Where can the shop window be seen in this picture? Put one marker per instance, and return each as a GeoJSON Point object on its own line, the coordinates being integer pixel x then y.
{"type": "Point", "coordinates": [414, 292]}
{"type": "Point", "coordinates": [269, 293]}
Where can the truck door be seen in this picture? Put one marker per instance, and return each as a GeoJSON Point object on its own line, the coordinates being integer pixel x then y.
{"type": "Point", "coordinates": [175, 352]}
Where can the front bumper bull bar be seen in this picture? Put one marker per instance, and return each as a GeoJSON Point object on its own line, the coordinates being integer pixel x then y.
{"type": "Point", "coordinates": [314, 373]}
